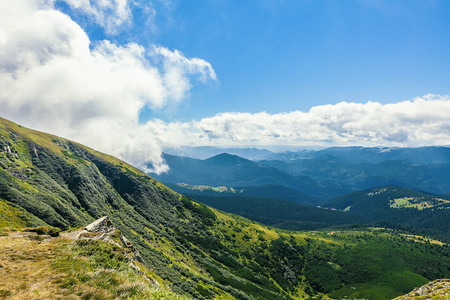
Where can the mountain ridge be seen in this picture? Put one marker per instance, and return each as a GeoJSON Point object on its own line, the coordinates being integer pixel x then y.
{"type": "Point", "coordinates": [240, 172]}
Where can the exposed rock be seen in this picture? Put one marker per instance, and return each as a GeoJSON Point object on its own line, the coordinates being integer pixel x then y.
{"type": "Point", "coordinates": [438, 289]}
{"type": "Point", "coordinates": [103, 229]}
{"type": "Point", "coordinates": [129, 245]}
{"type": "Point", "coordinates": [35, 151]}
{"type": "Point", "coordinates": [126, 242]}
{"type": "Point", "coordinates": [104, 225]}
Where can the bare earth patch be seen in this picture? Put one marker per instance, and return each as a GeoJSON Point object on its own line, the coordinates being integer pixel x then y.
{"type": "Point", "coordinates": [26, 270]}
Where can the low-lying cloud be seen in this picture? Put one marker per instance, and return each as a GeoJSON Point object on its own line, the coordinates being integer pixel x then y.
{"type": "Point", "coordinates": [420, 122]}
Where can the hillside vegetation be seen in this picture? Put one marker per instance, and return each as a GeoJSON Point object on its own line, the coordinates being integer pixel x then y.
{"type": "Point", "coordinates": [388, 206]}
{"type": "Point", "coordinates": [189, 247]}
{"type": "Point", "coordinates": [423, 212]}
{"type": "Point", "coordinates": [281, 213]}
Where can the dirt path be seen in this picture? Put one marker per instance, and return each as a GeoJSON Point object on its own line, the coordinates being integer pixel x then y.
{"type": "Point", "coordinates": [26, 270]}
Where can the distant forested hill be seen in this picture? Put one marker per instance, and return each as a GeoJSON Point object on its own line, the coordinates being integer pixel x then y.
{"type": "Point", "coordinates": [322, 174]}
{"type": "Point", "coordinates": [263, 191]}
{"type": "Point", "coordinates": [358, 168]}
{"type": "Point", "coordinates": [399, 205]}
{"type": "Point", "coordinates": [281, 213]}
{"type": "Point", "coordinates": [234, 171]}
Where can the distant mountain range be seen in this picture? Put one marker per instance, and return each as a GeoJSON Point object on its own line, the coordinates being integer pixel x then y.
{"type": "Point", "coordinates": [203, 152]}
{"type": "Point", "coordinates": [355, 154]}
{"type": "Point", "coordinates": [324, 173]}
{"type": "Point", "coordinates": [403, 187]}
{"type": "Point", "coordinates": [231, 170]}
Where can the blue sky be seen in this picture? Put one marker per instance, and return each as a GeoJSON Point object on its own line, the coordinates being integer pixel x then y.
{"type": "Point", "coordinates": [281, 56]}
{"type": "Point", "coordinates": [132, 77]}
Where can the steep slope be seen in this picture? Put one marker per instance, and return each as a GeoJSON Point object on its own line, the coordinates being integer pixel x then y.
{"type": "Point", "coordinates": [194, 249]}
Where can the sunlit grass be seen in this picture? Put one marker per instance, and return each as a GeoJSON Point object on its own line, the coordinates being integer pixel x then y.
{"type": "Point", "coordinates": [62, 269]}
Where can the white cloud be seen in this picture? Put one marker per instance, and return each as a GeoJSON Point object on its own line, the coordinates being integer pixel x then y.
{"type": "Point", "coordinates": [110, 14]}
{"type": "Point", "coordinates": [52, 80]}
{"type": "Point", "coordinates": [423, 121]}
{"type": "Point", "coordinates": [176, 64]}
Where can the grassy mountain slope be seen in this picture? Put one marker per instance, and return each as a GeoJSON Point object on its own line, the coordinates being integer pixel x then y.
{"type": "Point", "coordinates": [194, 249]}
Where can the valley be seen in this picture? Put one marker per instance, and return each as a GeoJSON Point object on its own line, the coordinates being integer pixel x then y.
{"type": "Point", "coordinates": [390, 187]}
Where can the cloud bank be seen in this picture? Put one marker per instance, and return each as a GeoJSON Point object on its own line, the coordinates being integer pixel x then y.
{"type": "Point", "coordinates": [53, 79]}
{"type": "Point", "coordinates": [421, 122]}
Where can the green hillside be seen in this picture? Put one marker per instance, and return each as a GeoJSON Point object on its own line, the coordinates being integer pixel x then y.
{"type": "Point", "coordinates": [404, 206]}
{"type": "Point", "coordinates": [196, 250]}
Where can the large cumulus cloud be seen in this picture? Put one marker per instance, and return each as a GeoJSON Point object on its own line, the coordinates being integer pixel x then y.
{"type": "Point", "coordinates": [53, 79]}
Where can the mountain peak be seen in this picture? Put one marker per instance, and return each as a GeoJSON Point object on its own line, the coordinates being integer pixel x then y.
{"type": "Point", "coordinates": [226, 159]}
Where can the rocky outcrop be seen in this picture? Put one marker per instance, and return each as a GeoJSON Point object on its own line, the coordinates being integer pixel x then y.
{"type": "Point", "coordinates": [101, 229]}
{"type": "Point", "coordinates": [104, 229]}
{"type": "Point", "coordinates": [438, 289]}
{"type": "Point", "coordinates": [127, 244]}
{"type": "Point", "coordinates": [103, 225]}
